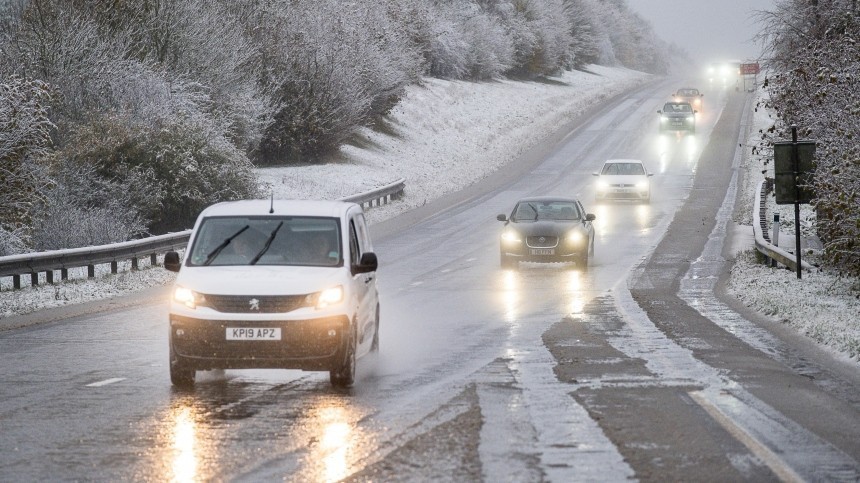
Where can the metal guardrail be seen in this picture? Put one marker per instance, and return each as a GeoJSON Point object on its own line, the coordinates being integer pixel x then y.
{"type": "Point", "coordinates": [34, 263]}
{"type": "Point", "coordinates": [762, 241]}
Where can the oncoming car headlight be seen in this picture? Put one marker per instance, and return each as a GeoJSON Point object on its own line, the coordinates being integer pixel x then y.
{"type": "Point", "coordinates": [642, 185]}
{"type": "Point", "coordinates": [510, 236]}
{"type": "Point", "coordinates": [602, 185]}
{"type": "Point", "coordinates": [188, 297]}
{"type": "Point", "coordinates": [690, 118]}
{"type": "Point", "coordinates": [327, 297]}
{"type": "Point", "coordinates": [663, 118]}
{"type": "Point", "coordinates": [574, 237]}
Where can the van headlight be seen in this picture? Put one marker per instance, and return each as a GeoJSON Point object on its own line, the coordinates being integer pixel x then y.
{"type": "Point", "coordinates": [188, 297]}
{"type": "Point", "coordinates": [326, 298]}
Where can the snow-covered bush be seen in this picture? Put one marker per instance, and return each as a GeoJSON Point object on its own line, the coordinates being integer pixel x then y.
{"type": "Point", "coordinates": [337, 65]}
{"type": "Point", "coordinates": [814, 59]}
{"type": "Point", "coordinates": [83, 209]}
{"type": "Point", "coordinates": [24, 143]}
{"type": "Point", "coordinates": [170, 170]}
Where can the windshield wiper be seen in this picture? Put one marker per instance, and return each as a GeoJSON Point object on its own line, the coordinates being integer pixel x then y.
{"type": "Point", "coordinates": [534, 208]}
{"type": "Point", "coordinates": [267, 245]}
{"type": "Point", "coordinates": [214, 253]}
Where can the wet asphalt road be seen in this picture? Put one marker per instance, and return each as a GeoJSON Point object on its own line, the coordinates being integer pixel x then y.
{"type": "Point", "coordinates": [634, 369]}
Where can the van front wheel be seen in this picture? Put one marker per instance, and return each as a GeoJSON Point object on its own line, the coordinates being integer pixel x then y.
{"type": "Point", "coordinates": [180, 375]}
{"type": "Point", "coordinates": [343, 374]}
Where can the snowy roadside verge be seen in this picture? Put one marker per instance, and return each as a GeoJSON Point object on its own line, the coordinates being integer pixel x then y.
{"type": "Point", "coordinates": [822, 305]}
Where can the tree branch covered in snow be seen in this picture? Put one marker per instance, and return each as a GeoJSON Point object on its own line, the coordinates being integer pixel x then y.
{"type": "Point", "coordinates": [814, 59]}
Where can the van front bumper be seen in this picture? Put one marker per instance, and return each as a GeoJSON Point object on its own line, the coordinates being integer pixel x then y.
{"type": "Point", "coordinates": [310, 344]}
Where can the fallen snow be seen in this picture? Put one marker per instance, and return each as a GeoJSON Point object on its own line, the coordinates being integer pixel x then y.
{"type": "Point", "coordinates": [444, 136]}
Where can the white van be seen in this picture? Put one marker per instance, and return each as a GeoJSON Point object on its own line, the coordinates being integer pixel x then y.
{"type": "Point", "coordinates": [274, 284]}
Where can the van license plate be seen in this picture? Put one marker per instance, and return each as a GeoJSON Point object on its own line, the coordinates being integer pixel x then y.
{"type": "Point", "coordinates": [253, 333]}
{"type": "Point", "coordinates": [542, 251]}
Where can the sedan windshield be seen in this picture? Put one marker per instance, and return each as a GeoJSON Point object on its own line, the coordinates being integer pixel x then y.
{"type": "Point", "coordinates": [546, 210]}
{"type": "Point", "coordinates": [670, 108]}
{"type": "Point", "coordinates": [241, 240]}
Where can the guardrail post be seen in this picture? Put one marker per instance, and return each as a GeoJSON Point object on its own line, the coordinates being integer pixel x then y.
{"type": "Point", "coordinates": [91, 271]}
{"type": "Point", "coordinates": [113, 268]}
{"type": "Point", "coordinates": [49, 277]}
{"type": "Point", "coordinates": [34, 279]}
{"type": "Point", "coordinates": [16, 282]}
{"type": "Point", "coordinates": [153, 259]}
{"type": "Point", "coordinates": [64, 274]}
{"type": "Point", "coordinates": [134, 263]}
{"type": "Point", "coordinates": [775, 236]}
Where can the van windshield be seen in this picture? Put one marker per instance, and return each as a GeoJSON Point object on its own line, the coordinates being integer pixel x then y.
{"type": "Point", "coordinates": [242, 240]}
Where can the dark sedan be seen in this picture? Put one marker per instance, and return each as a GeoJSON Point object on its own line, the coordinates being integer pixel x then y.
{"type": "Point", "coordinates": [677, 116]}
{"type": "Point", "coordinates": [547, 229]}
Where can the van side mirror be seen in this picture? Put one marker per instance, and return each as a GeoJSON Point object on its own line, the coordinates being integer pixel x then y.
{"type": "Point", "coordinates": [368, 263]}
{"type": "Point", "coordinates": [589, 217]}
{"type": "Point", "coordinates": [172, 261]}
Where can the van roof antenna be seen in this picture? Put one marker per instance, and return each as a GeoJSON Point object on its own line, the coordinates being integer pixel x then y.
{"type": "Point", "coordinates": [272, 206]}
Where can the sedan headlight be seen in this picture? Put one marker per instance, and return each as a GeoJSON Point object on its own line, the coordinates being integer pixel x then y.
{"type": "Point", "coordinates": [326, 298]}
{"type": "Point", "coordinates": [574, 237]}
{"type": "Point", "coordinates": [663, 118]}
{"type": "Point", "coordinates": [510, 236]}
{"type": "Point", "coordinates": [602, 185]}
{"type": "Point", "coordinates": [188, 297]}
{"type": "Point", "coordinates": [690, 118]}
{"type": "Point", "coordinates": [642, 185]}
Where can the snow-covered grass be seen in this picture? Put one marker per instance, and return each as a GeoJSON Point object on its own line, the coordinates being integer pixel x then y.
{"type": "Point", "coordinates": [444, 136]}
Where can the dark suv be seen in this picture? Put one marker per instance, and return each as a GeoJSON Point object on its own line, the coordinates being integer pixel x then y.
{"type": "Point", "coordinates": [677, 116]}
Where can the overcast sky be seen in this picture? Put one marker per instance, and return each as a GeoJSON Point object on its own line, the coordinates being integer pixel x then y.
{"type": "Point", "coordinates": [710, 30]}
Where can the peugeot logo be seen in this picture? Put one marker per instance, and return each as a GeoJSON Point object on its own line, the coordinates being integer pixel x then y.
{"type": "Point", "coordinates": [254, 304]}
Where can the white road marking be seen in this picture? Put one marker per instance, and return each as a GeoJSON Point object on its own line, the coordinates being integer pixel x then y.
{"type": "Point", "coordinates": [774, 462]}
{"type": "Point", "coordinates": [106, 382]}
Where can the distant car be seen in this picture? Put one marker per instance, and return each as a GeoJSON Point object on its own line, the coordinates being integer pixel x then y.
{"type": "Point", "coordinates": [274, 284]}
{"type": "Point", "coordinates": [677, 116]}
{"type": "Point", "coordinates": [691, 95]}
{"type": "Point", "coordinates": [547, 229]}
{"type": "Point", "coordinates": [625, 179]}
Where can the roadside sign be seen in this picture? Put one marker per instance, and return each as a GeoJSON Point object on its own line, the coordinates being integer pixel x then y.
{"type": "Point", "coordinates": [788, 191]}
{"type": "Point", "coordinates": [750, 69]}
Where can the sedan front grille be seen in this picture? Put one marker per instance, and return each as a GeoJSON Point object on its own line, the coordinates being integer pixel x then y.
{"type": "Point", "coordinates": [251, 304]}
{"type": "Point", "coordinates": [542, 241]}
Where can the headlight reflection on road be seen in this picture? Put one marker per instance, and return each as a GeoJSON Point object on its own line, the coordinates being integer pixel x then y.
{"type": "Point", "coordinates": [510, 294]}
{"type": "Point", "coordinates": [574, 290]}
{"type": "Point", "coordinates": [643, 218]}
{"type": "Point", "coordinates": [663, 151]}
{"type": "Point", "coordinates": [691, 148]}
{"type": "Point", "coordinates": [335, 443]}
{"type": "Point", "coordinates": [184, 446]}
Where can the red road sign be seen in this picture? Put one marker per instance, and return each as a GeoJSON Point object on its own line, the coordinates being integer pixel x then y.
{"type": "Point", "coordinates": [753, 68]}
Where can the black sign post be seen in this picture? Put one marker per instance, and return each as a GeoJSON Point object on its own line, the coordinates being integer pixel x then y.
{"type": "Point", "coordinates": [793, 171]}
